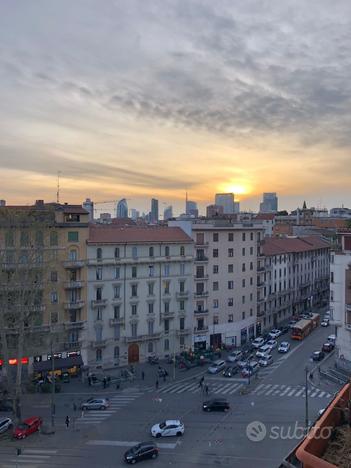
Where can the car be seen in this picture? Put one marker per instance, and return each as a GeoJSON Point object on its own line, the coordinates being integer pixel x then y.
{"type": "Point", "coordinates": [266, 361]}
{"type": "Point", "coordinates": [171, 427]}
{"type": "Point", "coordinates": [263, 351]}
{"type": "Point", "coordinates": [328, 347]}
{"type": "Point", "coordinates": [321, 411]}
{"type": "Point", "coordinates": [318, 355]}
{"type": "Point", "coordinates": [258, 342]}
{"type": "Point", "coordinates": [234, 356]}
{"type": "Point", "coordinates": [6, 405]}
{"type": "Point", "coordinates": [216, 367]}
{"type": "Point", "coordinates": [272, 344]}
{"type": "Point", "coordinates": [332, 338]}
{"type": "Point", "coordinates": [325, 323]}
{"type": "Point", "coordinates": [275, 333]}
{"type": "Point", "coordinates": [292, 323]}
{"type": "Point", "coordinates": [5, 424]}
{"type": "Point", "coordinates": [327, 315]}
{"type": "Point", "coordinates": [95, 404]}
{"type": "Point", "coordinates": [141, 451]}
{"type": "Point", "coordinates": [27, 427]}
{"type": "Point", "coordinates": [242, 363]}
{"type": "Point", "coordinates": [216, 404]}
{"type": "Point", "coordinates": [284, 347]}
{"type": "Point", "coordinates": [284, 330]}
{"type": "Point", "coordinates": [251, 369]}
{"type": "Point", "coordinates": [230, 371]}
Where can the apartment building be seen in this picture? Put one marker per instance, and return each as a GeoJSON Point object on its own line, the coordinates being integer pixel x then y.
{"type": "Point", "coordinates": [296, 277]}
{"type": "Point", "coordinates": [139, 293]}
{"type": "Point", "coordinates": [340, 296]}
{"type": "Point", "coordinates": [51, 239]}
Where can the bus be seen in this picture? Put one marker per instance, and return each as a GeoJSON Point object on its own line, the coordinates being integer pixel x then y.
{"type": "Point", "coordinates": [315, 320]}
{"type": "Point", "coordinates": [302, 329]}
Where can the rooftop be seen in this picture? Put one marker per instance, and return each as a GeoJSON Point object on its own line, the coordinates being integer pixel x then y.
{"type": "Point", "coordinates": [114, 234]}
{"type": "Point", "coordinates": [277, 246]}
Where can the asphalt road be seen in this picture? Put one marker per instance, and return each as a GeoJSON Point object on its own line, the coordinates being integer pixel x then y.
{"type": "Point", "coordinates": [274, 410]}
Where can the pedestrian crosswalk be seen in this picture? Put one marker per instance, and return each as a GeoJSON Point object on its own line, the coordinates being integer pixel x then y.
{"type": "Point", "coordinates": [28, 458]}
{"type": "Point", "coordinates": [117, 402]}
{"type": "Point", "coordinates": [272, 390]}
{"type": "Point", "coordinates": [214, 388]}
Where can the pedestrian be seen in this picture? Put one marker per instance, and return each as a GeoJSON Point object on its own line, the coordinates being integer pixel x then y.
{"type": "Point", "coordinates": [156, 384]}
{"type": "Point", "coordinates": [67, 421]}
{"type": "Point", "coordinates": [74, 406]}
{"type": "Point", "coordinates": [89, 381]}
{"type": "Point", "coordinates": [142, 375]}
{"type": "Point", "coordinates": [206, 389]}
{"type": "Point", "coordinates": [104, 382]}
{"type": "Point", "coordinates": [164, 376]}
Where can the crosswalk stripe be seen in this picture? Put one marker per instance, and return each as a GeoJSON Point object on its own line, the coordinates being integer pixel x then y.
{"type": "Point", "coordinates": [287, 389]}
{"type": "Point", "coordinates": [300, 392]}
{"type": "Point", "coordinates": [314, 393]}
{"type": "Point", "coordinates": [257, 388]}
{"type": "Point", "coordinates": [271, 389]}
{"type": "Point", "coordinates": [278, 390]}
{"type": "Point", "coordinates": [321, 394]}
{"type": "Point", "coordinates": [292, 392]}
{"type": "Point", "coordinates": [263, 391]}
{"type": "Point", "coordinates": [223, 387]}
{"type": "Point", "coordinates": [237, 386]}
{"type": "Point", "coordinates": [189, 387]}
{"type": "Point", "coordinates": [230, 388]}
{"type": "Point", "coordinates": [171, 389]}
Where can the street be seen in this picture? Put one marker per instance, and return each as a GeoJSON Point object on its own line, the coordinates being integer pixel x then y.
{"type": "Point", "coordinates": [273, 404]}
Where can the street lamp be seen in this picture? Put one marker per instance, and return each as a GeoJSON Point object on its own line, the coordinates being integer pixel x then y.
{"type": "Point", "coordinates": [306, 401]}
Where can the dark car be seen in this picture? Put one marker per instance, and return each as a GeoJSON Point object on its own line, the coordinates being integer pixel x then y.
{"type": "Point", "coordinates": [142, 451]}
{"type": "Point", "coordinates": [216, 404]}
{"type": "Point", "coordinates": [328, 347]}
{"type": "Point", "coordinates": [6, 405]}
{"type": "Point", "coordinates": [230, 371]}
{"type": "Point", "coordinates": [318, 355]}
{"type": "Point", "coordinates": [284, 330]}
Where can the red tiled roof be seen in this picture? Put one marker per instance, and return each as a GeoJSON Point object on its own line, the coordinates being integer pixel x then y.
{"type": "Point", "coordinates": [70, 209]}
{"type": "Point", "coordinates": [136, 234]}
{"type": "Point", "coordinates": [276, 246]}
{"type": "Point", "coordinates": [265, 216]}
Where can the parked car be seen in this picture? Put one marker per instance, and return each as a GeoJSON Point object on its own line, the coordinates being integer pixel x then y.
{"type": "Point", "coordinates": [27, 427]}
{"type": "Point", "coordinates": [284, 330]}
{"type": "Point", "coordinates": [230, 371]}
{"type": "Point", "coordinates": [258, 342]}
{"type": "Point", "coordinates": [263, 351]}
{"type": "Point", "coordinates": [5, 424]}
{"type": "Point", "coordinates": [251, 369]}
{"type": "Point", "coordinates": [153, 359]}
{"type": "Point", "coordinates": [266, 361]}
{"type": "Point", "coordinates": [328, 347]}
{"type": "Point", "coordinates": [284, 347]}
{"type": "Point", "coordinates": [6, 405]}
{"type": "Point", "coordinates": [292, 323]}
{"type": "Point", "coordinates": [242, 363]}
{"type": "Point", "coordinates": [216, 367]}
{"type": "Point", "coordinates": [325, 322]}
{"type": "Point", "coordinates": [216, 404]}
{"type": "Point", "coordinates": [318, 355]}
{"type": "Point", "coordinates": [272, 344]}
{"type": "Point", "coordinates": [96, 404]}
{"type": "Point", "coordinates": [142, 451]}
{"type": "Point", "coordinates": [234, 356]}
{"type": "Point", "coordinates": [332, 338]}
{"type": "Point", "coordinates": [162, 372]}
{"type": "Point", "coordinates": [275, 333]}
{"type": "Point", "coordinates": [171, 427]}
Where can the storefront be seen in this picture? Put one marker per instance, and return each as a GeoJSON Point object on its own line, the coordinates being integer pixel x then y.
{"type": "Point", "coordinates": [243, 336]}
{"type": "Point", "coordinates": [216, 340]}
{"type": "Point", "coordinates": [200, 342]}
{"type": "Point", "coordinates": [252, 332]}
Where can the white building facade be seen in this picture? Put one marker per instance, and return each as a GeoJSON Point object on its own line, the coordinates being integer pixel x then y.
{"type": "Point", "coordinates": [139, 294]}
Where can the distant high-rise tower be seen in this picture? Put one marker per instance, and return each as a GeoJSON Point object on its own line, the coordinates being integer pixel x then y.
{"type": "Point", "coordinates": [168, 213]}
{"type": "Point", "coordinates": [122, 209]}
{"type": "Point", "coordinates": [191, 208]}
{"type": "Point", "coordinates": [226, 200]}
{"type": "Point", "coordinates": [154, 211]}
{"type": "Point", "coordinates": [89, 206]}
{"type": "Point", "coordinates": [269, 203]}
{"type": "Point", "coordinates": [134, 214]}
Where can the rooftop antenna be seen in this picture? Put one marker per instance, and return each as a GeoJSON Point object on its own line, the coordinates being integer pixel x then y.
{"type": "Point", "coordinates": [58, 187]}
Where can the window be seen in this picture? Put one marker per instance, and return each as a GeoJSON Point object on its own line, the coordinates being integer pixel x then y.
{"type": "Point", "coordinates": [230, 318]}
{"type": "Point", "coordinates": [134, 290]}
{"type": "Point", "coordinates": [166, 287]}
{"type": "Point", "coordinates": [215, 253]}
{"type": "Point", "coordinates": [182, 251]}
{"type": "Point", "coordinates": [53, 276]}
{"type": "Point", "coordinates": [99, 313]}
{"type": "Point", "coordinates": [134, 329]}
{"type": "Point", "coordinates": [99, 273]}
{"type": "Point", "coordinates": [167, 251]}
{"type": "Point", "coordinates": [230, 268]}
{"type": "Point", "coordinates": [116, 252]}
{"type": "Point", "coordinates": [54, 316]}
{"type": "Point", "coordinates": [251, 236]}
{"type": "Point", "coordinates": [182, 268]}
{"type": "Point", "coordinates": [181, 305]}
{"type": "Point", "coordinates": [251, 297]}
{"type": "Point", "coordinates": [215, 303]}
{"type": "Point", "coordinates": [99, 254]}
{"type": "Point", "coordinates": [24, 239]}
{"type": "Point", "coordinates": [166, 307]}
{"type": "Point", "coordinates": [243, 251]}
{"type": "Point", "coordinates": [215, 286]}
{"type": "Point", "coordinates": [181, 286]}
{"type": "Point", "coordinates": [181, 323]}
{"type": "Point", "coordinates": [215, 237]}
{"type": "Point", "coordinates": [215, 269]}
{"type": "Point", "coordinates": [150, 289]}
{"type": "Point", "coordinates": [150, 347]}
{"type": "Point", "coordinates": [230, 252]}
{"type": "Point", "coordinates": [116, 352]}
{"type": "Point", "coordinates": [251, 281]}
{"type": "Point", "coordinates": [243, 282]}
{"type": "Point", "coordinates": [251, 312]}
{"type": "Point", "coordinates": [134, 252]}
{"type": "Point", "coordinates": [72, 236]}
{"type": "Point", "coordinates": [98, 294]}
{"type": "Point", "coordinates": [242, 315]}
{"type": "Point", "coordinates": [134, 309]}
{"type": "Point", "coordinates": [9, 239]}
{"type": "Point", "coordinates": [53, 239]}
{"type": "Point", "coordinates": [150, 327]}
{"type": "Point", "coordinates": [166, 344]}
{"type": "Point", "coordinates": [166, 325]}
{"type": "Point", "coordinates": [230, 284]}
{"type": "Point", "coordinates": [230, 236]}
{"type": "Point", "coordinates": [243, 299]}
{"type": "Point", "coordinates": [243, 267]}
{"type": "Point", "coordinates": [166, 269]}
{"type": "Point", "coordinates": [73, 255]}
{"type": "Point", "coordinates": [117, 291]}
{"type": "Point", "coordinates": [151, 307]}
{"type": "Point", "coordinates": [151, 251]}
{"type": "Point", "coordinates": [134, 271]}
{"type": "Point", "coordinates": [117, 272]}
{"type": "Point", "coordinates": [54, 297]}
{"type": "Point", "coordinates": [98, 355]}
{"type": "Point", "coordinates": [215, 320]}
{"type": "Point", "coordinates": [117, 312]}
{"type": "Point", "coordinates": [251, 250]}
{"type": "Point", "coordinates": [230, 302]}
{"type": "Point", "coordinates": [243, 236]}
{"type": "Point", "coordinates": [151, 270]}
{"type": "Point", "coordinates": [332, 277]}
{"type": "Point", "coordinates": [251, 266]}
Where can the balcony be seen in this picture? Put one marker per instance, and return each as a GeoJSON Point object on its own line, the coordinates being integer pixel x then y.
{"type": "Point", "coordinates": [260, 284]}
{"type": "Point", "coordinates": [185, 331]}
{"type": "Point", "coordinates": [72, 284]}
{"type": "Point", "coordinates": [72, 345]}
{"type": "Point", "coordinates": [260, 300]}
{"type": "Point", "coordinates": [200, 278]}
{"type": "Point", "coordinates": [199, 295]}
{"type": "Point", "coordinates": [201, 330]}
{"type": "Point", "coordinates": [116, 321]}
{"type": "Point", "coordinates": [201, 259]}
{"type": "Point", "coordinates": [98, 344]}
{"type": "Point", "coordinates": [167, 315]}
{"type": "Point", "coordinates": [261, 268]}
{"type": "Point", "coordinates": [74, 264]}
{"type": "Point", "coordinates": [137, 339]}
{"type": "Point", "coordinates": [199, 244]}
{"type": "Point", "coordinates": [182, 295]}
{"type": "Point", "coordinates": [98, 303]}
{"type": "Point", "coordinates": [73, 305]}
{"type": "Point", "coordinates": [73, 325]}
{"type": "Point", "coordinates": [201, 312]}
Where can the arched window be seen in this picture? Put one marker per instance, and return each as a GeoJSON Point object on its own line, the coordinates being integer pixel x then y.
{"type": "Point", "coordinates": [167, 251]}
{"type": "Point", "coordinates": [73, 254]}
{"type": "Point", "coordinates": [150, 347]}
{"type": "Point", "coordinates": [99, 354]}
{"type": "Point", "coordinates": [151, 251]}
{"type": "Point", "coordinates": [99, 253]}
{"type": "Point", "coordinates": [116, 352]}
{"type": "Point", "coordinates": [166, 343]}
{"type": "Point", "coordinates": [182, 251]}
{"type": "Point", "coordinates": [116, 252]}
{"type": "Point", "coordinates": [134, 252]}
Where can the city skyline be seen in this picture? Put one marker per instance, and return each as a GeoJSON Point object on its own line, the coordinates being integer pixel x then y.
{"type": "Point", "coordinates": [146, 104]}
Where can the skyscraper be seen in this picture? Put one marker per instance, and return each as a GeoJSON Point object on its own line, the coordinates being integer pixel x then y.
{"type": "Point", "coordinates": [89, 206]}
{"type": "Point", "coordinates": [154, 211]}
{"type": "Point", "coordinates": [168, 213]}
{"type": "Point", "coordinates": [269, 203]}
{"type": "Point", "coordinates": [191, 208]}
{"type": "Point", "coordinates": [122, 209]}
{"type": "Point", "coordinates": [226, 200]}
{"type": "Point", "coordinates": [134, 214]}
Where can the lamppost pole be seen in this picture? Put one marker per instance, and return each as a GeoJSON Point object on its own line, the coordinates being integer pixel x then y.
{"type": "Point", "coordinates": [306, 401]}
{"type": "Point", "coordinates": [52, 387]}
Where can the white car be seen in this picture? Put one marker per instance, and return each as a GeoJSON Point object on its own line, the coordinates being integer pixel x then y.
{"type": "Point", "coordinates": [272, 344]}
{"type": "Point", "coordinates": [234, 356]}
{"type": "Point", "coordinates": [258, 342]}
{"type": "Point", "coordinates": [273, 334]}
{"type": "Point", "coordinates": [284, 347]}
{"type": "Point", "coordinates": [171, 427]}
{"type": "Point", "coordinates": [5, 424]}
{"type": "Point", "coordinates": [332, 338]}
{"type": "Point", "coordinates": [263, 351]}
{"type": "Point", "coordinates": [216, 367]}
{"type": "Point", "coordinates": [264, 362]}
{"type": "Point", "coordinates": [95, 404]}
{"type": "Point", "coordinates": [292, 323]}
{"type": "Point", "coordinates": [325, 323]}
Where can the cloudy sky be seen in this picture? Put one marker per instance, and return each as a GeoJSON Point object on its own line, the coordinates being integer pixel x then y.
{"type": "Point", "coordinates": [135, 98]}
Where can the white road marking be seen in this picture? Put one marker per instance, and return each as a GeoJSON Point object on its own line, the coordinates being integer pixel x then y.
{"type": "Point", "coordinates": [257, 388]}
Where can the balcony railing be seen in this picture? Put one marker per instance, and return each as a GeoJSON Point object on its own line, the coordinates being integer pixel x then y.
{"type": "Point", "coordinates": [200, 244]}
{"type": "Point", "coordinates": [73, 264]}
{"type": "Point", "coordinates": [261, 268]}
{"type": "Point", "coordinates": [166, 315]}
{"type": "Point", "coordinates": [201, 312]}
{"type": "Point", "coordinates": [73, 325]}
{"type": "Point", "coordinates": [74, 305]}
{"type": "Point", "coordinates": [201, 330]}
{"type": "Point", "coordinates": [198, 294]}
{"type": "Point", "coordinates": [117, 321]}
{"type": "Point", "coordinates": [183, 332]}
{"type": "Point", "coordinates": [99, 303]}
{"type": "Point", "coordinates": [199, 277]}
{"type": "Point", "coordinates": [182, 294]}
{"type": "Point", "coordinates": [201, 259]}
{"type": "Point", "coordinates": [69, 345]}
{"type": "Point", "coordinates": [135, 339]}
{"type": "Point", "coordinates": [98, 344]}
{"type": "Point", "coordinates": [72, 284]}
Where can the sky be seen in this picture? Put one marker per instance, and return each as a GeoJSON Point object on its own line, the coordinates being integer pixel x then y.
{"type": "Point", "coordinates": [141, 99]}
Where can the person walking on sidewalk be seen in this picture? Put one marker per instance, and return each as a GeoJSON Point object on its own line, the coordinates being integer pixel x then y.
{"type": "Point", "coordinates": [142, 375]}
{"type": "Point", "coordinates": [206, 389]}
{"type": "Point", "coordinates": [67, 421]}
{"type": "Point", "coordinates": [156, 384]}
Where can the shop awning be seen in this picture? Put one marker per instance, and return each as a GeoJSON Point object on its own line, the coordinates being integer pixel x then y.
{"type": "Point", "coordinates": [62, 363]}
